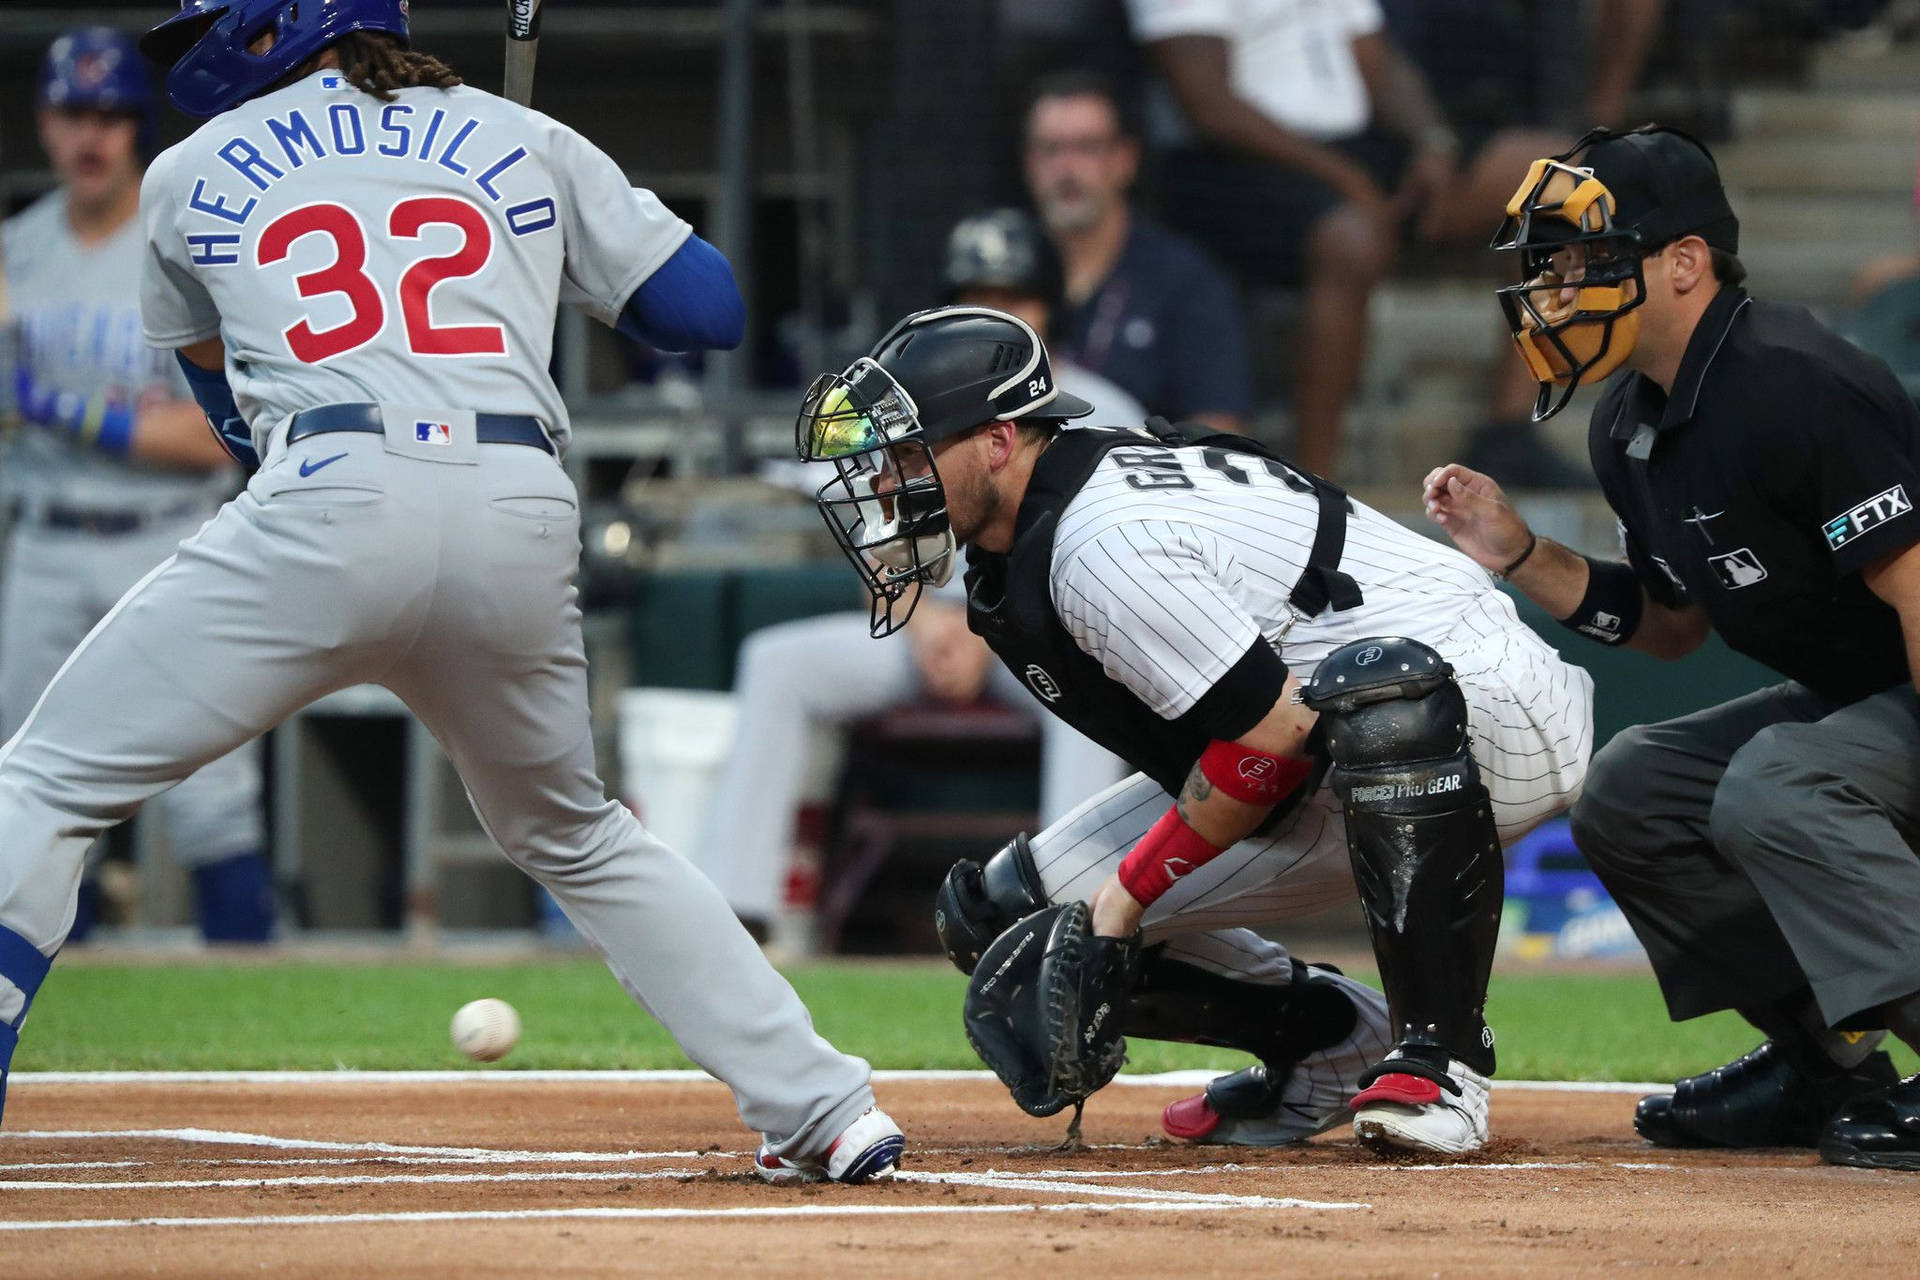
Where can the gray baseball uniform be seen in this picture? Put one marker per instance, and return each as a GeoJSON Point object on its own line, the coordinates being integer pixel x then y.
{"type": "Point", "coordinates": [410, 254]}
{"type": "Point", "coordinates": [89, 524]}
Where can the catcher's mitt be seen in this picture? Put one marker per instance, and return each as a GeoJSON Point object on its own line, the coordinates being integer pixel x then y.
{"type": "Point", "coordinates": [1044, 1007]}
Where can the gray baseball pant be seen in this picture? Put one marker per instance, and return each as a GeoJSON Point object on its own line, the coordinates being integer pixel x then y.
{"type": "Point", "coordinates": [1766, 846]}
{"type": "Point", "coordinates": [57, 585]}
{"type": "Point", "coordinates": [452, 585]}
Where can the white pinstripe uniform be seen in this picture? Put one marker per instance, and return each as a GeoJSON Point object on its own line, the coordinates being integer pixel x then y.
{"type": "Point", "coordinates": [1168, 586]}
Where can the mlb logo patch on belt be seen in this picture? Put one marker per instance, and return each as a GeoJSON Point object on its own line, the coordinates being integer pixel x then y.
{"type": "Point", "coordinates": [425, 432]}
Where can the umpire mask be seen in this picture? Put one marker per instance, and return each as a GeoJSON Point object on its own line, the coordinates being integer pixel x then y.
{"type": "Point", "coordinates": [935, 375]}
{"type": "Point", "coordinates": [1576, 332]}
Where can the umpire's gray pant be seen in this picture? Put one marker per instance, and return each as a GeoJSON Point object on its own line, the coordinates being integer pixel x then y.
{"type": "Point", "coordinates": [1766, 846]}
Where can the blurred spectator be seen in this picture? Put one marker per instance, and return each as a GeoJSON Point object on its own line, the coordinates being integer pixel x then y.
{"type": "Point", "coordinates": [827, 670]}
{"type": "Point", "coordinates": [1144, 307]}
{"type": "Point", "coordinates": [1493, 68]}
{"type": "Point", "coordinates": [1889, 269]}
{"type": "Point", "coordinates": [1307, 142]}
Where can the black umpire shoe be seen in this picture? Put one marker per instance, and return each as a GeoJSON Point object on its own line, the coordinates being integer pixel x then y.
{"type": "Point", "coordinates": [1763, 1100]}
{"type": "Point", "coordinates": [1878, 1130]}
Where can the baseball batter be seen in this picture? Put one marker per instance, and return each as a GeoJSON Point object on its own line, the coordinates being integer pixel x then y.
{"type": "Point", "coordinates": [1228, 625]}
{"type": "Point", "coordinates": [114, 466]}
{"type": "Point", "coordinates": [359, 260]}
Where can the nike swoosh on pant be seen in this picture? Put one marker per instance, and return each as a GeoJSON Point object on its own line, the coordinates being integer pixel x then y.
{"type": "Point", "coordinates": [309, 467]}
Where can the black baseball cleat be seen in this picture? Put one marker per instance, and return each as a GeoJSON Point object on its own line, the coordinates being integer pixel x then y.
{"type": "Point", "coordinates": [1763, 1099]}
{"type": "Point", "coordinates": [1878, 1130]}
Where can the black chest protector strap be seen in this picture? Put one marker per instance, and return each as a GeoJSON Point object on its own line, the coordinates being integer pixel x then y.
{"type": "Point", "coordinates": [1010, 600]}
{"type": "Point", "coordinates": [1322, 585]}
{"type": "Point", "coordinates": [1070, 461]}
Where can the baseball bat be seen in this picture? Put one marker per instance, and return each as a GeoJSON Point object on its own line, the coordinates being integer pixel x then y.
{"type": "Point", "coordinates": [523, 42]}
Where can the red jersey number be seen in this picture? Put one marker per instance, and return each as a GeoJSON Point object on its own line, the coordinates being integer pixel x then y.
{"type": "Point", "coordinates": [416, 286]}
{"type": "Point", "coordinates": [347, 277]}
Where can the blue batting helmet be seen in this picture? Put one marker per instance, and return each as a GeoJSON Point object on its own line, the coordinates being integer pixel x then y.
{"type": "Point", "coordinates": [98, 69]}
{"type": "Point", "coordinates": [204, 46]}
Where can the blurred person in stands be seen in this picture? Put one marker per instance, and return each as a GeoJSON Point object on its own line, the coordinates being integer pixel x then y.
{"type": "Point", "coordinates": [826, 671]}
{"type": "Point", "coordinates": [1501, 75]}
{"type": "Point", "coordinates": [1888, 269]}
{"type": "Point", "coordinates": [1142, 306]}
{"type": "Point", "coordinates": [1306, 144]}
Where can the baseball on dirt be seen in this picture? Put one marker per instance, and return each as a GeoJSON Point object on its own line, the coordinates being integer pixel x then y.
{"type": "Point", "coordinates": [486, 1030]}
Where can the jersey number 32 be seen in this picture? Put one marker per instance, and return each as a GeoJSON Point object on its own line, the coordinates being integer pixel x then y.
{"type": "Point", "coordinates": [347, 276]}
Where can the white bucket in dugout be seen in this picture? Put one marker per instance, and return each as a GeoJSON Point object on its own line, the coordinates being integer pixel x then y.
{"type": "Point", "coordinates": [673, 743]}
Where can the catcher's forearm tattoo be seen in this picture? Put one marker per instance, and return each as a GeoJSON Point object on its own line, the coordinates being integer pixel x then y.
{"type": "Point", "coordinates": [1196, 791]}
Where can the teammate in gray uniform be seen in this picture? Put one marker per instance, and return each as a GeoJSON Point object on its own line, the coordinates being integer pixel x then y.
{"type": "Point", "coordinates": [114, 465]}
{"type": "Point", "coordinates": [359, 262]}
{"type": "Point", "coordinates": [1230, 626]}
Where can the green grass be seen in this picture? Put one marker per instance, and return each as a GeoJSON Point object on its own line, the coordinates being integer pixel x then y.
{"type": "Point", "coordinates": [99, 1016]}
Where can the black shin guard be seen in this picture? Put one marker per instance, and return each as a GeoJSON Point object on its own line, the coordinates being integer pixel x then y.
{"type": "Point", "coordinates": [1426, 855]}
{"type": "Point", "coordinates": [1432, 888]}
{"type": "Point", "coordinates": [1278, 1025]}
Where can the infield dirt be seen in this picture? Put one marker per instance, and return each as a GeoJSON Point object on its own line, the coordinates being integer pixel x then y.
{"type": "Point", "coordinates": [497, 1176]}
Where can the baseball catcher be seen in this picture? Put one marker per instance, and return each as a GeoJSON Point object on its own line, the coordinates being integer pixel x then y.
{"type": "Point", "coordinates": [1315, 700]}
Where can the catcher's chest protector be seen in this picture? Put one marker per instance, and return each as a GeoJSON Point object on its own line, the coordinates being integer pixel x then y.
{"type": "Point", "coordinates": [1010, 604]}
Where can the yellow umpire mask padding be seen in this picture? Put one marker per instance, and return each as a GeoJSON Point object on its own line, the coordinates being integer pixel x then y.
{"type": "Point", "coordinates": [1579, 332]}
{"type": "Point", "coordinates": [1596, 334]}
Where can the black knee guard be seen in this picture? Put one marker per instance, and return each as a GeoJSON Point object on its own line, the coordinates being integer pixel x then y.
{"type": "Point", "coordinates": [1280, 1026]}
{"type": "Point", "coordinates": [1420, 830]}
{"type": "Point", "coordinates": [976, 903]}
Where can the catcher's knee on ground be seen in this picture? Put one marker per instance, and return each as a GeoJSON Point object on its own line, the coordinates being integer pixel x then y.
{"type": "Point", "coordinates": [979, 902]}
{"type": "Point", "coordinates": [1420, 829]}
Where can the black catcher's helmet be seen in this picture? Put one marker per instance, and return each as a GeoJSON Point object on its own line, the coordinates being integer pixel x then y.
{"type": "Point", "coordinates": [935, 375]}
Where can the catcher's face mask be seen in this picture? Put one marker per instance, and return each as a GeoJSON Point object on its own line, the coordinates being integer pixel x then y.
{"type": "Point", "coordinates": [885, 505]}
{"type": "Point", "coordinates": [1572, 315]}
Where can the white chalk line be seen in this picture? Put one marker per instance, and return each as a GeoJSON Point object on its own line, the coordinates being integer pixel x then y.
{"type": "Point", "coordinates": [1048, 1186]}
{"type": "Point", "coordinates": [814, 1210]}
{"type": "Point", "coordinates": [1190, 1079]}
{"type": "Point", "coordinates": [36, 1166]}
{"type": "Point", "coordinates": [1057, 1180]}
{"type": "Point", "coordinates": [483, 1155]}
{"type": "Point", "coordinates": [404, 1154]}
{"type": "Point", "coordinates": [364, 1180]}
{"type": "Point", "coordinates": [986, 1182]}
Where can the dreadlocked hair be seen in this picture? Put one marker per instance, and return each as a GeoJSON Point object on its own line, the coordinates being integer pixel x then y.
{"type": "Point", "coordinates": [377, 63]}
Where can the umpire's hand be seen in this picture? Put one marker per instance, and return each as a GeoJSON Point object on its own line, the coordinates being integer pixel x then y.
{"type": "Point", "coordinates": [1476, 515]}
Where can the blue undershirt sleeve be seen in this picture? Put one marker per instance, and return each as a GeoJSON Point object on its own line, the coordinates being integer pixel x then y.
{"type": "Point", "coordinates": [690, 303]}
{"type": "Point", "coordinates": [215, 398]}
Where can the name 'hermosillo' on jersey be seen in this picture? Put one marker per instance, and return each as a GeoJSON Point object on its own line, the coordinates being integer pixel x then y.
{"type": "Point", "coordinates": [444, 229]}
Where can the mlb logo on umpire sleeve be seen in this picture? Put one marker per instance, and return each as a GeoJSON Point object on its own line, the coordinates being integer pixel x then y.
{"type": "Point", "coordinates": [433, 432]}
{"type": "Point", "coordinates": [1738, 569]}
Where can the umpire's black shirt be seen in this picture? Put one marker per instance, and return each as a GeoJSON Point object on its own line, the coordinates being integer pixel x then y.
{"type": "Point", "coordinates": [1785, 461]}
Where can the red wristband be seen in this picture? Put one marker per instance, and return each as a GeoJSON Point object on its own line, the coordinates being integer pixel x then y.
{"type": "Point", "coordinates": [1169, 850]}
{"type": "Point", "coordinates": [1251, 776]}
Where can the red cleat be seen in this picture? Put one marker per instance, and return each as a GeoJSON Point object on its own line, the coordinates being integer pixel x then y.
{"type": "Point", "coordinates": [1192, 1119]}
{"type": "Point", "coordinates": [1408, 1091]}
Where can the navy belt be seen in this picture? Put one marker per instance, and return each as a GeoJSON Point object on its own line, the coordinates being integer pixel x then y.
{"type": "Point", "coordinates": [59, 515]}
{"type": "Point", "coordinates": [488, 428]}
